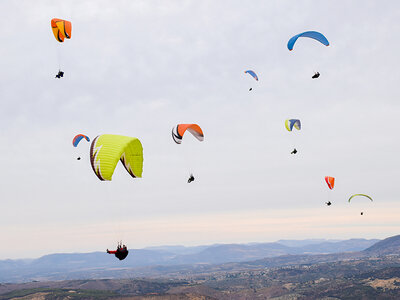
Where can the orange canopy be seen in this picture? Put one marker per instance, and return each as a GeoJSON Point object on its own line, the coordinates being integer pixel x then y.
{"type": "Point", "coordinates": [61, 29]}
{"type": "Point", "coordinates": [330, 181]}
{"type": "Point", "coordinates": [179, 130]}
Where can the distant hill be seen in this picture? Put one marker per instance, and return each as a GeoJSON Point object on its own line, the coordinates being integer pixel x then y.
{"type": "Point", "coordinates": [233, 252]}
{"type": "Point", "coordinates": [178, 249]}
{"type": "Point", "coordinates": [387, 246]}
{"type": "Point", "coordinates": [238, 252]}
{"type": "Point", "coordinates": [300, 243]}
{"type": "Point", "coordinates": [341, 246]}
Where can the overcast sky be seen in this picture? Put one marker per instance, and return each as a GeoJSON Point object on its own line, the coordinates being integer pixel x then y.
{"type": "Point", "coordinates": [138, 68]}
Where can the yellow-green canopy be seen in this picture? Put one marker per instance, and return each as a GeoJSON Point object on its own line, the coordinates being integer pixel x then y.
{"type": "Point", "coordinates": [107, 149]}
{"type": "Point", "coordinates": [360, 195]}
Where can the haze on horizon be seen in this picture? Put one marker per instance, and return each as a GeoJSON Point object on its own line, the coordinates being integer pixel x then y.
{"type": "Point", "coordinates": [138, 68]}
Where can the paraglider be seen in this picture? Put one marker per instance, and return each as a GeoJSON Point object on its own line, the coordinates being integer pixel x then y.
{"type": "Point", "coordinates": [316, 75]}
{"type": "Point", "coordinates": [76, 140]}
{"type": "Point", "coordinates": [61, 30]}
{"type": "Point", "coordinates": [289, 124]}
{"type": "Point", "coordinates": [309, 34]}
{"type": "Point", "coordinates": [121, 253]}
{"type": "Point", "coordinates": [358, 195]}
{"type": "Point", "coordinates": [177, 135]}
{"type": "Point", "coordinates": [253, 74]}
{"type": "Point", "coordinates": [312, 35]}
{"type": "Point", "coordinates": [330, 181]}
{"type": "Point", "coordinates": [107, 149]}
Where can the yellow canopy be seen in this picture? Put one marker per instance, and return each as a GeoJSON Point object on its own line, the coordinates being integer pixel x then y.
{"type": "Point", "coordinates": [107, 149]}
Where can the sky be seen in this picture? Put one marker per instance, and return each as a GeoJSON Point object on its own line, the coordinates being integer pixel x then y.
{"type": "Point", "coordinates": [138, 68]}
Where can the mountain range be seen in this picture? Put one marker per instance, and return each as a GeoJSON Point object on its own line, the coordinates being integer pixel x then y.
{"type": "Point", "coordinates": [372, 273]}
{"type": "Point", "coordinates": [165, 259]}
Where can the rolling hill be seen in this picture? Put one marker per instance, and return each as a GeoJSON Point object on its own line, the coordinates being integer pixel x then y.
{"type": "Point", "coordinates": [390, 245]}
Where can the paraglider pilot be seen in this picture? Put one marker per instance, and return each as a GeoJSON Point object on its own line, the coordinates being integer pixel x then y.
{"type": "Point", "coordinates": [294, 151]}
{"type": "Point", "coordinates": [60, 74]}
{"type": "Point", "coordinates": [121, 253]}
{"type": "Point", "coordinates": [191, 178]}
{"type": "Point", "coordinates": [316, 75]}
{"type": "Point", "coordinates": [328, 203]}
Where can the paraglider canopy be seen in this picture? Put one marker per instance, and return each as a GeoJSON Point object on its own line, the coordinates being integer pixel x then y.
{"type": "Point", "coordinates": [330, 181]}
{"type": "Point", "coordinates": [107, 149]}
{"type": "Point", "coordinates": [310, 34]}
{"type": "Point", "coordinates": [78, 138]}
{"type": "Point", "coordinates": [363, 195]}
{"type": "Point", "coordinates": [252, 73]}
{"type": "Point", "coordinates": [290, 123]}
{"type": "Point", "coordinates": [61, 29]}
{"type": "Point", "coordinates": [179, 130]}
